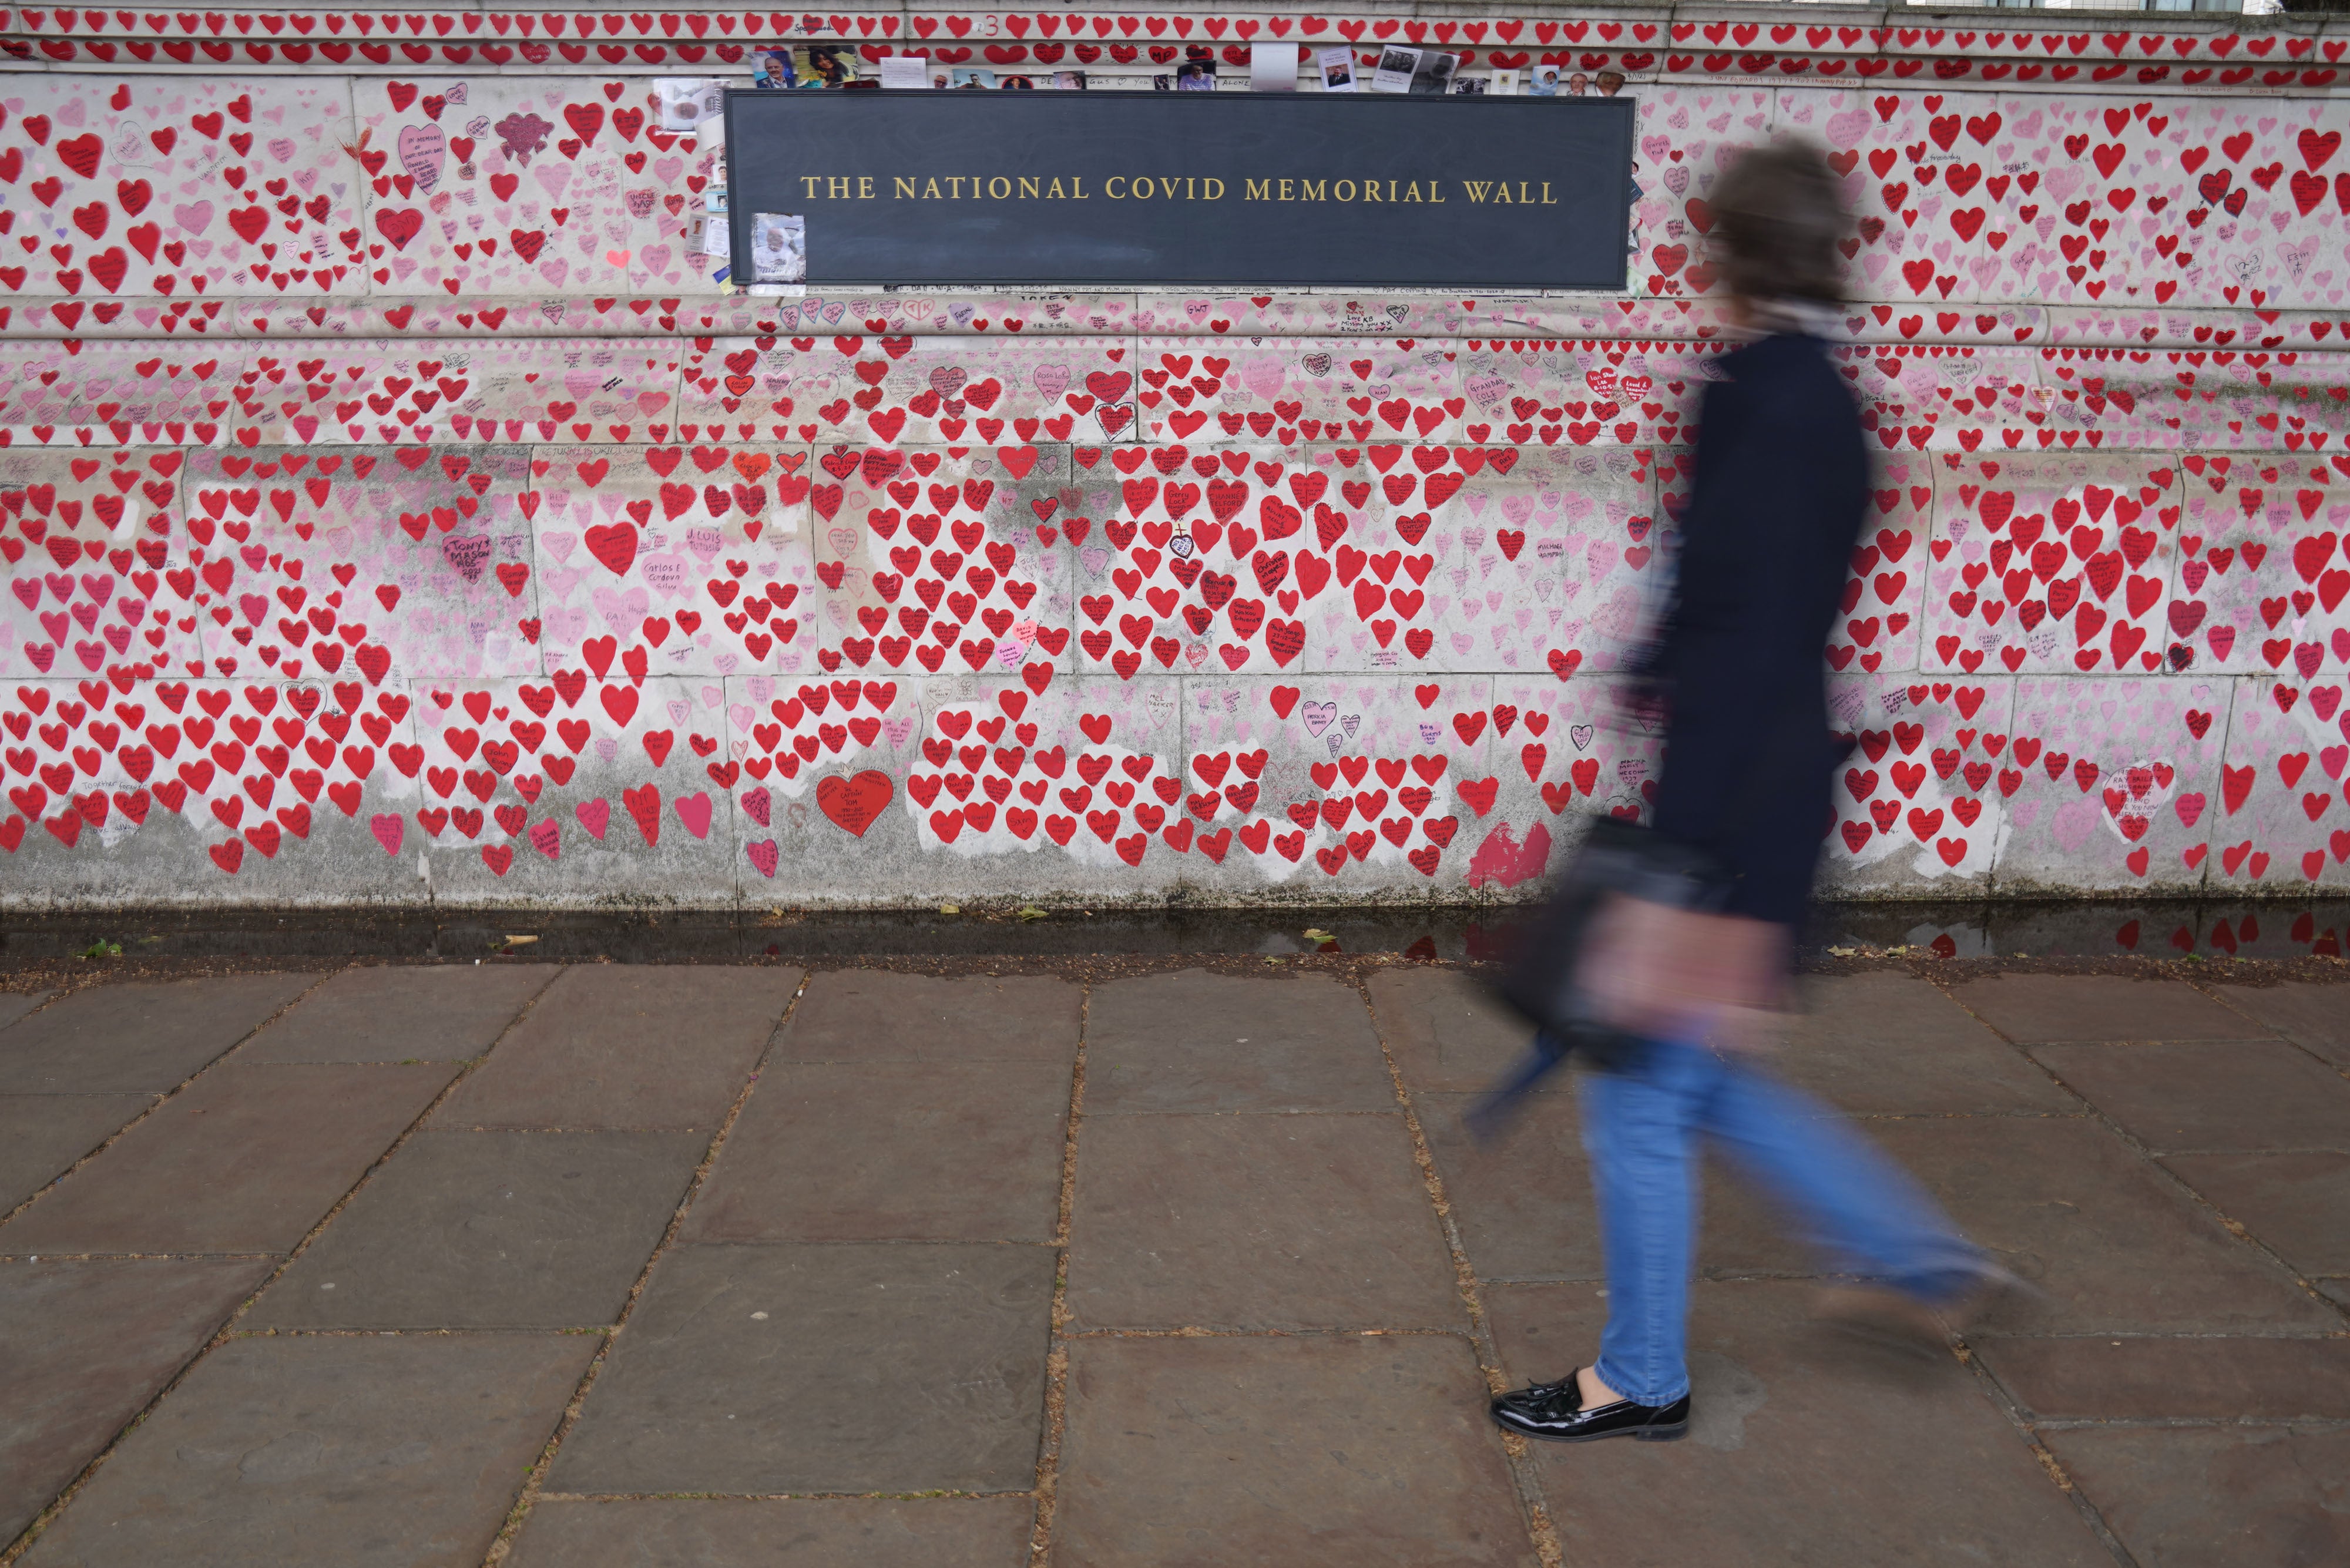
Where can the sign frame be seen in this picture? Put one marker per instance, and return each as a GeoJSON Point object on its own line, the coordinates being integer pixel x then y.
{"type": "Point", "coordinates": [1613, 117]}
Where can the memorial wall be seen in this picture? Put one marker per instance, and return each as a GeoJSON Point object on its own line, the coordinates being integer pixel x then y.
{"type": "Point", "coordinates": [403, 498]}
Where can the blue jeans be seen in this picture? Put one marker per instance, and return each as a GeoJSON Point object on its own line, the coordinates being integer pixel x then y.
{"type": "Point", "coordinates": [1641, 1125]}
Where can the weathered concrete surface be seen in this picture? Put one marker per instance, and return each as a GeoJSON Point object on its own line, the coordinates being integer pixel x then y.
{"type": "Point", "coordinates": [565, 580]}
{"type": "Point", "coordinates": [1224, 1313]}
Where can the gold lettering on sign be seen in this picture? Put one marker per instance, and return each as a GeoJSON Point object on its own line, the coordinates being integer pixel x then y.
{"type": "Point", "coordinates": [1496, 192]}
{"type": "Point", "coordinates": [1167, 188]}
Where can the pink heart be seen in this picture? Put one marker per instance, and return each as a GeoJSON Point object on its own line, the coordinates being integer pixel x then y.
{"type": "Point", "coordinates": [593, 815]}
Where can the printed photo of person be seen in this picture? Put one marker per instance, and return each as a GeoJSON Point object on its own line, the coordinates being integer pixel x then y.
{"type": "Point", "coordinates": [1431, 74]}
{"type": "Point", "coordinates": [966, 78]}
{"type": "Point", "coordinates": [1394, 71]}
{"type": "Point", "coordinates": [778, 248]}
{"type": "Point", "coordinates": [1542, 82]}
{"type": "Point", "coordinates": [829, 65]}
{"type": "Point", "coordinates": [772, 68]}
{"type": "Point", "coordinates": [1196, 76]}
{"type": "Point", "coordinates": [1577, 85]}
{"type": "Point", "coordinates": [1611, 82]}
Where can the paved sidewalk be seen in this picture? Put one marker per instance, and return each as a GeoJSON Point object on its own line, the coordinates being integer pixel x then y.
{"type": "Point", "coordinates": [604, 1265]}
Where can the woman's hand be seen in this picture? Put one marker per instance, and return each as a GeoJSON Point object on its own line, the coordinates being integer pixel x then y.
{"type": "Point", "coordinates": [1667, 974]}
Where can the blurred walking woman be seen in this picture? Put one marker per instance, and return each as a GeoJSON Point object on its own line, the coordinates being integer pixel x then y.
{"type": "Point", "coordinates": [1781, 483]}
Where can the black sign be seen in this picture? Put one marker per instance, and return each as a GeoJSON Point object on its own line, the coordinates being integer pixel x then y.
{"type": "Point", "coordinates": [1127, 188]}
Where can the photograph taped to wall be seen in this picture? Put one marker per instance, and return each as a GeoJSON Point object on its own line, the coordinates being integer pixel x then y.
{"type": "Point", "coordinates": [1396, 67]}
{"type": "Point", "coordinates": [771, 70]}
{"type": "Point", "coordinates": [1336, 67]}
{"type": "Point", "coordinates": [829, 65]}
{"type": "Point", "coordinates": [778, 248]}
{"type": "Point", "coordinates": [688, 103]}
{"type": "Point", "coordinates": [1197, 74]}
{"type": "Point", "coordinates": [968, 78]}
{"type": "Point", "coordinates": [1431, 74]}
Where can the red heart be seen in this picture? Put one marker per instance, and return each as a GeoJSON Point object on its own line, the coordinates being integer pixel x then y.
{"type": "Point", "coordinates": [398, 225]}
{"type": "Point", "coordinates": [614, 545]}
{"type": "Point", "coordinates": [81, 153]}
{"type": "Point", "coordinates": [854, 804]}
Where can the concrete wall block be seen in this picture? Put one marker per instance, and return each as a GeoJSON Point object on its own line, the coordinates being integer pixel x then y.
{"type": "Point", "coordinates": [2117, 793]}
{"type": "Point", "coordinates": [2056, 563]}
{"type": "Point", "coordinates": [567, 791]}
{"type": "Point", "coordinates": [1922, 801]}
{"type": "Point", "coordinates": [685, 559]}
{"type": "Point", "coordinates": [2280, 819]}
{"type": "Point", "coordinates": [101, 574]}
{"type": "Point", "coordinates": [176, 791]}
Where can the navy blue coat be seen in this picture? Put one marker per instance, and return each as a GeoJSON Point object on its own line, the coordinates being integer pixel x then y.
{"type": "Point", "coordinates": [1781, 489]}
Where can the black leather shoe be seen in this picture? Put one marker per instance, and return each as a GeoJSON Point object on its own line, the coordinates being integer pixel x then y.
{"type": "Point", "coordinates": [1553, 1412]}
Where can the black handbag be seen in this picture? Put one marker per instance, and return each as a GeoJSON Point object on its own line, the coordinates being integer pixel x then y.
{"type": "Point", "coordinates": [1541, 979]}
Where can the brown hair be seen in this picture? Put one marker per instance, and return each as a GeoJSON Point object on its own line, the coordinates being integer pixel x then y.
{"type": "Point", "coordinates": [1778, 216]}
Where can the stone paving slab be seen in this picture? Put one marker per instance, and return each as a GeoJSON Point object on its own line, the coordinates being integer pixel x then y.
{"type": "Point", "coordinates": [1192, 1040]}
{"type": "Point", "coordinates": [2294, 1203]}
{"type": "Point", "coordinates": [491, 1231]}
{"type": "Point", "coordinates": [1278, 1452]}
{"type": "Point", "coordinates": [245, 1160]}
{"type": "Point", "coordinates": [15, 1005]}
{"type": "Point", "coordinates": [1255, 1222]}
{"type": "Point", "coordinates": [1446, 1030]}
{"type": "Point", "coordinates": [1894, 1043]}
{"type": "Point", "coordinates": [892, 1152]}
{"type": "Point", "coordinates": [2034, 1008]}
{"type": "Point", "coordinates": [2105, 1243]}
{"type": "Point", "coordinates": [1524, 1210]}
{"type": "Point", "coordinates": [2259, 1497]}
{"type": "Point", "coordinates": [2242, 1095]}
{"type": "Point", "coordinates": [880, 1015]}
{"type": "Point", "coordinates": [42, 1135]}
{"type": "Point", "coordinates": [1521, 1205]}
{"type": "Point", "coordinates": [1798, 1451]}
{"type": "Point", "coordinates": [771, 1533]}
{"type": "Point", "coordinates": [435, 1013]}
{"type": "Point", "coordinates": [137, 1037]}
{"type": "Point", "coordinates": [849, 1369]}
{"type": "Point", "coordinates": [628, 1046]}
{"type": "Point", "coordinates": [2084, 1377]}
{"type": "Point", "coordinates": [368, 1451]}
{"type": "Point", "coordinates": [2316, 1016]}
{"type": "Point", "coordinates": [84, 1345]}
